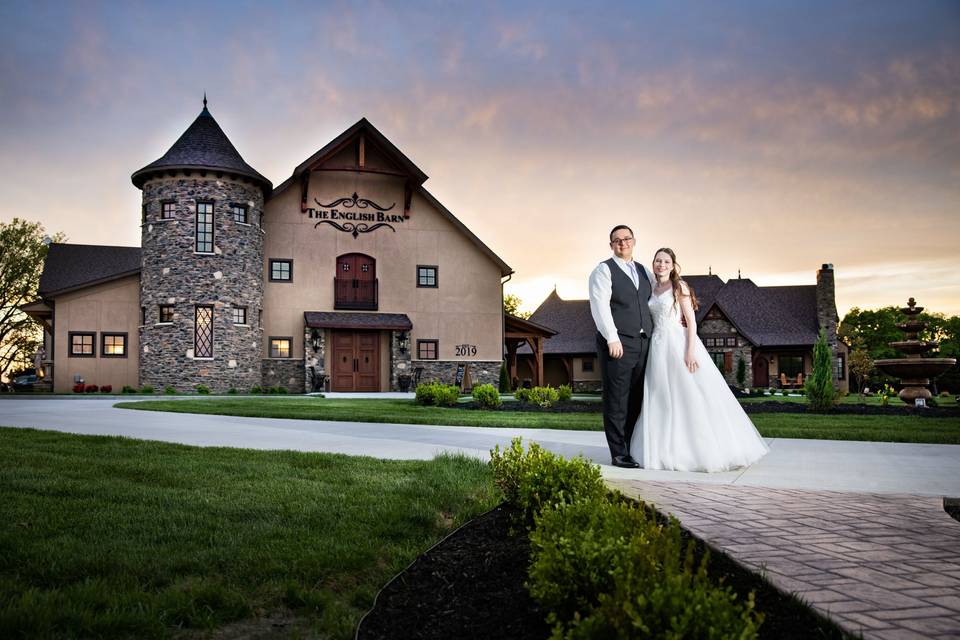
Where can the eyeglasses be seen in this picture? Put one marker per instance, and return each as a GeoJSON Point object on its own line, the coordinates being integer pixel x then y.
{"type": "Point", "coordinates": [621, 241]}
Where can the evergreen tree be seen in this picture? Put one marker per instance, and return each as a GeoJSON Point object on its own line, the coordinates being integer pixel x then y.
{"type": "Point", "coordinates": [504, 378]}
{"type": "Point", "coordinates": [819, 386]}
{"type": "Point", "coordinates": [741, 372]}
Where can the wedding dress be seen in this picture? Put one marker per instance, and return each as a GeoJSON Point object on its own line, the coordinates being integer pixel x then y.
{"type": "Point", "coordinates": [689, 421]}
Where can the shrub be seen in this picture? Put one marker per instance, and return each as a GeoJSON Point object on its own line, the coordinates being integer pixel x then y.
{"type": "Point", "coordinates": [437, 394]}
{"type": "Point", "coordinates": [202, 389]}
{"type": "Point", "coordinates": [169, 390]}
{"type": "Point", "coordinates": [79, 388]}
{"type": "Point", "coordinates": [819, 386]}
{"type": "Point", "coordinates": [255, 389]}
{"type": "Point", "coordinates": [522, 394]}
{"type": "Point", "coordinates": [91, 388]}
{"type": "Point", "coordinates": [536, 478]}
{"type": "Point", "coordinates": [487, 396]}
{"type": "Point", "coordinates": [885, 394]}
{"type": "Point", "coordinates": [272, 391]}
{"type": "Point", "coordinates": [741, 371]}
{"type": "Point", "coordinates": [543, 396]}
{"type": "Point", "coordinates": [610, 570]}
{"type": "Point", "coordinates": [282, 390]}
{"type": "Point", "coordinates": [147, 388]}
{"type": "Point", "coordinates": [232, 391]}
{"type": "Point", "coordinates": [504, 378]}
{"type": "Point", "coordinates": [128, 389]}
{"type": "Point", "coordinates": [564, 392]}
{"type": "Point", "coordinates": [107, 388]}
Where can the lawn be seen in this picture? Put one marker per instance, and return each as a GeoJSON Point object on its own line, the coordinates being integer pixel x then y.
{"type": "Point", "coordinates": [880, 428]}
{"type": "Point", "coordinates": [111, 537]}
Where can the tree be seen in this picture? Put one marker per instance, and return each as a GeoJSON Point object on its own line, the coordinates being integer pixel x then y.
{"type": "Point", "coordinates": [504, 378]}
{"type": "Point", "coordinates": [741, 371]}
{"type": "Point", "coordinates": [819, 388]}
{"type": "Point", "coordinates": [511, 306]}
{"type": "Point", "coordinates": [22, 250]}
{"type": "Point", "coordinates": [860, 364]}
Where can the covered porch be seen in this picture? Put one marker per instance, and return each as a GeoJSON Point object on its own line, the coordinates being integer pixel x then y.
{"type": "Point", "coordinates": [518, 332]}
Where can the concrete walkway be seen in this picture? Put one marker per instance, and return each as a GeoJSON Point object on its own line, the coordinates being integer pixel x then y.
{"type": "Point", "coordinates": [856, 528]}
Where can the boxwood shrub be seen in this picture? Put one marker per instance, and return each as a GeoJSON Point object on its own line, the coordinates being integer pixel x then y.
{"type": "Point", "coordinates": [437, 394]}
{"type": "Point", "coordinates": [487, 396]}
{"type": "Point", "coordinates": [564, 392]}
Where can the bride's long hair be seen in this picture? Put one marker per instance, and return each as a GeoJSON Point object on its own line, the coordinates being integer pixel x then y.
{"type": "Point", "coordinates": [675, 279]}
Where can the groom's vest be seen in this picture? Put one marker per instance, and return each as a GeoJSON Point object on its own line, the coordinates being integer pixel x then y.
{"type": "Point", "coordinates": [628, 304]}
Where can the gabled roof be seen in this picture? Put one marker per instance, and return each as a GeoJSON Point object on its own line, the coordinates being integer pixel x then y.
{"type": "Point", "coordinates": [203, 146]}
{"type": "Point", "coordinates": [705, 288]}
{"type": "Point", "coordinates": [571, 319]}
{"type": "Point", "coordinates": [334, 146]}
{"type": "Point", "coordinates": [72, 266]}
{"type": "Point", "coordinates": [762, 318]}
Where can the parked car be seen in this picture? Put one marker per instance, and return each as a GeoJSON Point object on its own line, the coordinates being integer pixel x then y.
{"type": "Point", "coordinates": [24, 383]}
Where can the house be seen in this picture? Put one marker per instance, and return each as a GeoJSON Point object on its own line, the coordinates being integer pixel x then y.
{"type": "Point", "coordinates": [348, 276]}
{"type": "Point", "coordinates": [772, 329]}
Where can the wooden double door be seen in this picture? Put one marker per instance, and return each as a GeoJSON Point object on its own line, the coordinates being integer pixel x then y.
{"type": "Point", "coordinates": [355, 361]}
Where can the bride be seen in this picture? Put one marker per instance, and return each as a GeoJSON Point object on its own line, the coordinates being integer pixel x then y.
{"type": "Point", "coordinates": [690, 420]}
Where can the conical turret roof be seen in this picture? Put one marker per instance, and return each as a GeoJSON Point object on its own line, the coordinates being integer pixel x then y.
{"type": "Point", "coordinates": [203, 146]}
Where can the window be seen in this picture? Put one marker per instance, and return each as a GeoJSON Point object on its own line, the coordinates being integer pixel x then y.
{"type": "Point", "coordinates": [203, 332]}
{"type": "Point", "coordinates": [790, 366]}
{"type": "Point", "coordinates": [717, 357]}
{"type": "Point", "coordinates": [731, 342]}
{"type": "Point", "coordinates": [841, 371]}
{"type": "Point", "coordinates": [708, 342]}
{"type": "Point", "coordinates": [204, 227]}
{"type": "Point", "coordinates": [280, 347]}
{"type": "Point", "coordinates": [239, 315]}
{"type": "Point", "coordinates": [143, 316]}
{"type": "Point", "coordinates": [83, 345]}
{"type": "Point", "coordinates": [239, 212]}
{"type": "Point", "coordinates": [113, 345]}
{"type": "Point", "coordinates": [143, 213]}
{"type": "Point", "coordinates": [426, 349]}
{"type": "Point", "coordinates": [587, 364]}
{"type": "Point", "coordinates": [281, 271]}
{"type": "Point", "coordinates": [168, 210]}
{"type": "Point", "coordinates": [426, 276]}
{"type": "Point", "coordinates": [166, 313]}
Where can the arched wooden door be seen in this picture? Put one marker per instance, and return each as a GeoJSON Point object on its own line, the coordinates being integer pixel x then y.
{"type": "Point", "coordinates": [355, 283]}
{"type": "Point", "coordinates": [761, 372]}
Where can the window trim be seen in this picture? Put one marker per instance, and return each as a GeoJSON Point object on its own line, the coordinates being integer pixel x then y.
{"type": "Point", "coordinates": [436, 349]}
{"type": "Point", "coordinates": [436, 276]}
{"type": "Point", "coordinates": [196, 228]}
{"type": "Point", "coordinates": [273, 261]}
{"type": "Point", "coordinates": [93, 347]}
{"type": "Point", "coordinates": [163, 207]}
{"type": "Point", "coordinates": [246, 213]}
{"type": "Point", "coordinates": [233, 311]}
{"type": "Point", "coordinates": [289, 340]}
{"type": "Point", "coordinates": [103, 344]}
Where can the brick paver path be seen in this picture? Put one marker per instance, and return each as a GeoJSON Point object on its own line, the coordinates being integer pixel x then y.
{"type": "Point", "coordinates": [886, 566]}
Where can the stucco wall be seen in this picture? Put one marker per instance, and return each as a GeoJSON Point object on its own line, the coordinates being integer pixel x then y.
{"type": "Point", "coordinates": [112, 307]}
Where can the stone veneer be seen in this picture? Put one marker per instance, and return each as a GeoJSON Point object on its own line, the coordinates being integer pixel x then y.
{"type": "Point", "coordinates": [173, 273]}
{"type": "Point", "coordinates": [481, 372]}
{"type": "Point", "coordinates": [722, 327]}
{"type": "Point", "coordinates": [314, 374]}
{"type": "Point", "coordinates": [827, 312]}
{"type": "Point", "coordinates": [284, 372]}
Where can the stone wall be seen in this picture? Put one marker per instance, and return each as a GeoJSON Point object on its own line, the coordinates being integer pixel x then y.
{"type": "Point", "coordinates": [284, 372]}
{"type": "Point", "coordinates": [483, 372]}
{"type": "Point", "coordinates": [721, 327]}
{"type": "Point", "coordinates": [173, 273]}
{"type": "Point", "coordinates": [827, 312]}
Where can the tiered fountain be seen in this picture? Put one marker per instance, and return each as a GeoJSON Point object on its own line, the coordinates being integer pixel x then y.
{"type": "Point", "coordinates": [914, 371]}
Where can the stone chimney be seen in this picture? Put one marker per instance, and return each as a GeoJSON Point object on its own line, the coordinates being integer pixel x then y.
{"type": "Point", "coordinates": [827, 309]}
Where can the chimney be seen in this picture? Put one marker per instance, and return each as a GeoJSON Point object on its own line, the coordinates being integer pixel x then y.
{"type": "Point", "coordinates": [827, 308]}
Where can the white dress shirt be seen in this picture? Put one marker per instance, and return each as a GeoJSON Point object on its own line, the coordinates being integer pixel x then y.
{"type": "Point", "coordinates": [601, 288]}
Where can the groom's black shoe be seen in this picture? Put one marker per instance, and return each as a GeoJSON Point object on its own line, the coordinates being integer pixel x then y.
{"type": "Point", "coordinates": [625, 461]}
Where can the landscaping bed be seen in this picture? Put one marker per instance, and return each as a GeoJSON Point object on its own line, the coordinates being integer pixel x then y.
{"type": "Point", "coordinates": [471, 585]}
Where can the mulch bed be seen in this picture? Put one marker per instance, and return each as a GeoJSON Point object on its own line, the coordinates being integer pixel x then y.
{"type": "Point", "coordinates": [471, 586]}
{"type": "Point", "coordinates": [769, 406]}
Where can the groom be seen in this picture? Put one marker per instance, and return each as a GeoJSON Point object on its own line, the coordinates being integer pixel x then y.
{"type": "Point", "coordinates": [619, 289]}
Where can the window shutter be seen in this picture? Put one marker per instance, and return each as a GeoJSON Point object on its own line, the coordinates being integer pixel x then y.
{"type": "Point", "coordinates": [728, 362]}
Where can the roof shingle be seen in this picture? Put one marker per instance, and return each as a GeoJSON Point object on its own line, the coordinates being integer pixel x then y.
{"type": "Point", "coordinates": [70, 266]}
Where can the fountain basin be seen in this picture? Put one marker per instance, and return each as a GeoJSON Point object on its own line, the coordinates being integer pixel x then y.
{"type": "Point", "coordinates": [915, 368]}
{"type": "Point", "coordinates": [913, 347]}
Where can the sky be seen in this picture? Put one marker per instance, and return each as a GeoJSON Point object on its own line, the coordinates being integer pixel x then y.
{"type": "Point", "coordinates": [755, 138]}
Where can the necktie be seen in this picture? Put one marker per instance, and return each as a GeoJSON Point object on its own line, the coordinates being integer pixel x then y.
{"type": "Point", "coordinates": [633, 275]}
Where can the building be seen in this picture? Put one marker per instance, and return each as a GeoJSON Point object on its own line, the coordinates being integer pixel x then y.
{"type": "Point", "coordinates": [349, 276]}
{"type": "Point", "coordinates": [772, 329]}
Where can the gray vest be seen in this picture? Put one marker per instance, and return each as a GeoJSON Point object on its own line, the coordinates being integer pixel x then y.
{"type": "Point", "coordinates": [628, 304]}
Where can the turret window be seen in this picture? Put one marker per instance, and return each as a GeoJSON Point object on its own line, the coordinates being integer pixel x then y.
{"type": "Point", "coordinates": [166, 313]}
{"type": "Point", "coordinates": [239, 315]}
{"type": "Point", "coordinates": [168, 210]}
{"type": "Point", "coordinates": [203, 332]}
{"type": "Point", "coordinates": [239, 213]}
{"type": "Point", "coordinates": [204, 227]}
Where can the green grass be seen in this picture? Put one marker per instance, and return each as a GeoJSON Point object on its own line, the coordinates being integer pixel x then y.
{"type": "Point", "coordinates": [870, 400]}
{"type": "Point", "coordinates": [773, 425]}
{"type": "Point", "coordinates": [110, 537]}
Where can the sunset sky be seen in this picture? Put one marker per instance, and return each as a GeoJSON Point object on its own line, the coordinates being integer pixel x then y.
{"type": "Point", "coordinates": [762, 137]}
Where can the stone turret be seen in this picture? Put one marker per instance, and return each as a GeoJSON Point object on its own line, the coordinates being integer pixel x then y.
{"type": "Point", "coordinates": [201, 278]}
{"type": "Point", "coordinates": [827, 317]}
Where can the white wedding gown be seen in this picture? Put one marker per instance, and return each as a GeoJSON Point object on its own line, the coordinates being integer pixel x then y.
{"type": "Point", "coordinates": [689, 421]}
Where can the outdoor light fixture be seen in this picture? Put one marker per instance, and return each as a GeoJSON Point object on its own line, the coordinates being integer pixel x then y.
{"type": "Point", "coordinates": [315, 340]}
{"type": "Point", "coordinates": [403, 341]}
